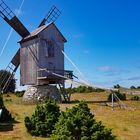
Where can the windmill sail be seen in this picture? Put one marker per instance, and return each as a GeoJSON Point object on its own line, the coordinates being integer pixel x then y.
{"type": "Point", "coordinates": [12, 20]}
{"type": "Point", "coordinates": [16, 59]}
{"type": "Point", "coordinates": [7, 14]}
{"type": "Point", "coordinates": [16, 24]}
{"type": "Point", "coordinates": [52, 16]}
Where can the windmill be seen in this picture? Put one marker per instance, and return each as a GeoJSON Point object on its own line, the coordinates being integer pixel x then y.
{"type": "Point", "coordinates": [40, 59]}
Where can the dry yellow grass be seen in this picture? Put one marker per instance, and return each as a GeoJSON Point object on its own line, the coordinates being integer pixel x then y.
{"type": "Point", "coordinates": [125, 123]}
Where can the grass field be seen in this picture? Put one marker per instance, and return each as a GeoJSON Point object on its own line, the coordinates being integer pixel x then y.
{"type": "Point", "coordinates": [125, 123]}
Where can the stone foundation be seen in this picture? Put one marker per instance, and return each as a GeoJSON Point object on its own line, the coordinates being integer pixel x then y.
{"type": "Point", "coordinates": [40, 93]}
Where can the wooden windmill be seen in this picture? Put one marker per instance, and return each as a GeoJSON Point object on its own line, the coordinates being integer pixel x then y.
{"type": "Point", "coordinates": [40, 58]}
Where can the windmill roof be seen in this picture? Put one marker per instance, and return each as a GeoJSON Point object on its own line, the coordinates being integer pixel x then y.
{"type": "Point", "coordinates": [40, 29]}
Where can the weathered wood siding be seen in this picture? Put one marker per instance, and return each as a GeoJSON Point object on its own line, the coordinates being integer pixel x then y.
{"type": "Point", "coordinates": [51, 34]}
{"type": "Point", "coordinates": [56, 62]}
{"type": "Point", "coordinates": [28, 62]}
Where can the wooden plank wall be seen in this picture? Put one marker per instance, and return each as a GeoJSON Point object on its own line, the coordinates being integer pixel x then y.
{"type": "Point", "coordinates": [28, 63]}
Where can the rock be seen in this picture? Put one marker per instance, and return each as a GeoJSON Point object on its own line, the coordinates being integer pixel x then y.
{"type": "Point", "coordinates": [39, 93]}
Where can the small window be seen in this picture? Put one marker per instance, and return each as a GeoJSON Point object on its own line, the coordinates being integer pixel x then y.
{"type": "Point", "coordinates": [49, 49]}
{"type": "Point", "coordinates": [46, 51]}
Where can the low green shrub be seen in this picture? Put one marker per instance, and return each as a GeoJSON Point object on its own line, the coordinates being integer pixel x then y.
{"type": "Point", "coordinates": [135, 98]}
{"type": "Point", "coordinates": [42, 122]}
{"type": "Point", "coordinates": [78, 124]}
{"type": "Point", "coordinates": [121, 96]}
{"type": "Point", "coordinates": [19, 93]}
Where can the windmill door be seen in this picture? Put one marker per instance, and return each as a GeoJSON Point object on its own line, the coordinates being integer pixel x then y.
{"type": "Point", "coordinates": [51, 67]}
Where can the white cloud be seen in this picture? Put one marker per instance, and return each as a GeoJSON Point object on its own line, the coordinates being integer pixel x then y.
{"type": "Point", "coordinates": [113, 71]}
{"type": "Point", "coordinates": [18, 12]}
{"type": "Point", "coordinates": [105, 68]}
{"type": "Point", "coordinates": [77, 36]}
{"type": "Point", "coordinates": [134, 78]}
{"type": "Point", "coordinates": [86, 51]}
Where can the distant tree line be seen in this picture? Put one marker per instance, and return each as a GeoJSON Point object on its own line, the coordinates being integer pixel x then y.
{"type": "Point", "coordinates": [133, 87]}
{"type": "Point", "coordinates": [84, 89]}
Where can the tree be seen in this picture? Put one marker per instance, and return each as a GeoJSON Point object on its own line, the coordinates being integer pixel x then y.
{"type": "Point", "coordinates": [78, 124]}
{"type": "Point", "coordinates": [42, 122]}
{"type": "Point", "coordinates": [117, 86]}
{"type": "Point", "coordinates": [132, 87]}
{"type": "Point", "coordinates": [4, 75]}
{"type": "Point", "coordinates": [121, 96]}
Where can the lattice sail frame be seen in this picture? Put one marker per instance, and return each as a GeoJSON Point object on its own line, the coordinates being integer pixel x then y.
{"type": "Point", "coordinates": [52, 16]}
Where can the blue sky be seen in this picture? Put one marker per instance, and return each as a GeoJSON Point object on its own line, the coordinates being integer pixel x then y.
{"type": "Point", "coordinates": [103, 37]}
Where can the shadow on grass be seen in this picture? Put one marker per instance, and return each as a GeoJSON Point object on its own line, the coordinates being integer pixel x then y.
{"type": "Point", "coordinates": [6, 127]}
{"type": "Point", "coordinates": [88, 102]}
{"type": "Point", "coordinates": [16, 122]}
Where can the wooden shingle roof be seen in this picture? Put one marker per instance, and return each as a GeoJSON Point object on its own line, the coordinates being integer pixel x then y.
{"type": "Point", "coordinates": [35, 33]}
